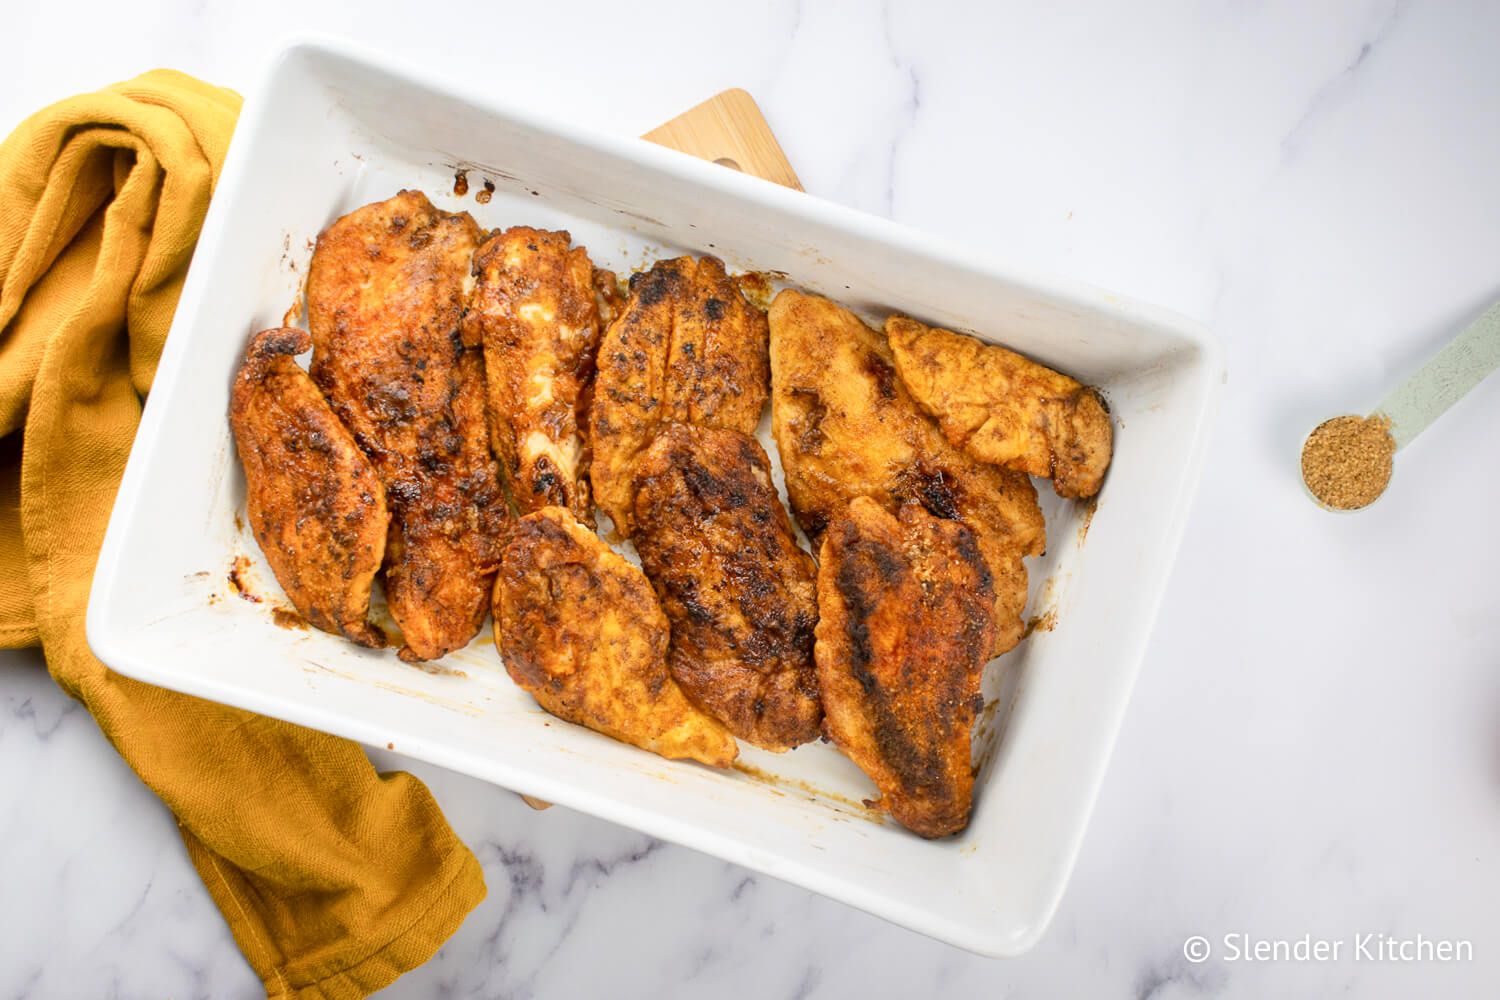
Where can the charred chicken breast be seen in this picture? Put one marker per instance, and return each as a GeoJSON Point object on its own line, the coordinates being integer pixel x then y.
{"type": "Point", "coordinates": [907, 605]}
{"type": "Point", "coordinates": [687, 348]}
{"type": "Point", "coordinates": [385, 294]}
{"type": "Point", "coordinates": [740, 595]}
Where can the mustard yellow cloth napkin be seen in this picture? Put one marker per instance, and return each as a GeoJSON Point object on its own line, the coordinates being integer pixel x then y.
{"type": "Point", "coordinates": [334, 880]}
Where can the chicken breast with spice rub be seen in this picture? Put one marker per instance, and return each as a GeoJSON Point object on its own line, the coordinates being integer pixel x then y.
{"type": "Point", "coordinates": [1003, 408]}
{"type": "Point", "coordinates": [385, 292]}
{"type": "Point", "coordinates": [687, 348]}
{"type": "Point", "coordinates": [581, 630]}
{"type": "Point", "coordinates": [741, 596]}
{"type": "Point", "coordinates": [315, 502]}
{"type": "Point", "coordinates": [534, 307]}
{"type": "Point", "coordinates": [846, 427]}
{"type": "Point", "coordinates": [907, 603]}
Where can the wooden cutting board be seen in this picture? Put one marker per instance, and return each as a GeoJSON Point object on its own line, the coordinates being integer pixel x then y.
{"type": "Point", "coordinates": [727, 129]}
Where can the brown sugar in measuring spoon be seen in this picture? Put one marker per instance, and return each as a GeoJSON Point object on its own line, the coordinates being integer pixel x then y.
{"type": "Point", "coordinates": [1347, 461]}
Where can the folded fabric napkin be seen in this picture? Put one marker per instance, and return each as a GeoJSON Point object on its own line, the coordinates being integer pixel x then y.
{"type": "Point", "coordinates": [334, 879]}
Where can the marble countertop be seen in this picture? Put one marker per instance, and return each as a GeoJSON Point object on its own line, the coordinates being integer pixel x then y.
{"type": "Point", "coordinates": [1314, 744]}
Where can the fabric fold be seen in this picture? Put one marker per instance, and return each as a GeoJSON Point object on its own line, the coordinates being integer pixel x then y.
{"type": "Point", "coordinates": [334, 879]}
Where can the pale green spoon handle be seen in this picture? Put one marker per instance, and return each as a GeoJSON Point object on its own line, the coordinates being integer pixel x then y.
{"type": "Point", "coordinates": [1444, 380]}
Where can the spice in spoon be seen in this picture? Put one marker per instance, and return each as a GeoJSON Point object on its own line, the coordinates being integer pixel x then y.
{"type": "Point", "coordinates": [1346, 461]}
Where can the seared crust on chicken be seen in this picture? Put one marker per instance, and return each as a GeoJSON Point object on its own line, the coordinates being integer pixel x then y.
{"type": "Point", "coordinates": [534, 308]}
{"type": "Point", "coordinates": [907, 624]}
{"type": "Point", "coordinates": [315, 502]}
{"type": "Point", "coordinates": [580, 629]}
{"type": "Point", "coordinates": [1003, 408]}
{"type": "Point", "coordinates": [846, 427]}
{"type": "Point", "coordinates": [385, 294]}
{"type": "Point", "coordinates": [688, 348]}
{"type": "Point", "coordinates": [741, 596]}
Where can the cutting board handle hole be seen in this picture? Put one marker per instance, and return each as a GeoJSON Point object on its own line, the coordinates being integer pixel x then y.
{"type": "Point", "coordinates": [725, 161]}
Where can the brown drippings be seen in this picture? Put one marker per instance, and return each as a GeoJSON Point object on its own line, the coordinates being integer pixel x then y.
{"type": "Point", "coordinates": [452, 705]}
{"type": "Point", "coordinates": [293, 315]}
{"type": "Point", "coordinates": [460, 184]}
{"type": "Point", "coordinates": [777, 784]}
{"type": "Point", "coordinates": [436, 669]}
{"type": "Point", "coordinates": [239, 580]}
{"type": "Point", "coordinates": [483, 197]}
{"type": "Point", "coordinates": [1346, 462]}
{"type": "Point", "coordinates": [288, 618]}
{"type": "Point", "coordinates": [1087, 508]}
{"type": "Point", "coordinates": [1044, 622]}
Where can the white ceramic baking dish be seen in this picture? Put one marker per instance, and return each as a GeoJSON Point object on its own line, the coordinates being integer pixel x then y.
{"type": "Point", "coordinates": [332, 127]}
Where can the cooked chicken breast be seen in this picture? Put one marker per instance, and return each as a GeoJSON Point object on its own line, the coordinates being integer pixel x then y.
{"type": "Point", "coordinates": [688, 348]}
{"type": "Point", "coordinates": [534, 308]}
{"type": "Point", "coordinates": [315, 502]}
{"type": "Point", "coordinates": [580, 629]}
{"type": "Point", "coordinates": [385, 294]}
{"type": "Point", "coordinates": [739, 593]}
{"type": "Point", "coordinates": [846, 427]}
{"type": "Point", "coordinates": [907, 624]}
{"type": "Point", "coordinates": [1003, 408]}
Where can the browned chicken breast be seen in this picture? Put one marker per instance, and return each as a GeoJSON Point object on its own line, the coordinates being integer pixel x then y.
{"type": "Point", "coordinates": [687, 348]}
{"type": "Point", "coordinates": [580, 629]}
{"type": "Point", "coordinates": [315, 502]}
{"type": "Point", "coordinates": [534, 308]}
{"type": "Point", "coordinates": [907, 624]}
{"type": "Point", "coordinates": [846, 427]}
{"type": "Point", "coordinates": [385, 294]}
{"type": "Point", "coordinates": [741, 596]}
{"type": "Point", "coordinates": [1003, 408]}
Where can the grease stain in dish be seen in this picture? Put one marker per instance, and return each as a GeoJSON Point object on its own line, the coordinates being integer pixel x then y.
{"type": "Point", "coordinates": [1044, 622]}
{"type": "Point", "coordinates": [434, 668]}
{"type": "Point", "coordinates": [777, 784]}
{"type": "Point", "coordinates": [288, 618]}
{"type": "Point", "coordinates": [240, 580]}
{"type": "Point", "coordinates": [987, 732]}
{"type": "Point", "coordinates": [1088, 508]}
{"type": "Point", "coordinates": [463, 708]}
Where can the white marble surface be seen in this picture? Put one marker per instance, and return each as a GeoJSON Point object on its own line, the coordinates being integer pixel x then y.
{"type": "Point", "coordinates": [1314, 745]}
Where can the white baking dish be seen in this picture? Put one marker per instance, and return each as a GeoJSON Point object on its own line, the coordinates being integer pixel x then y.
{"type": "Point", "coordinates": [332, 127]}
